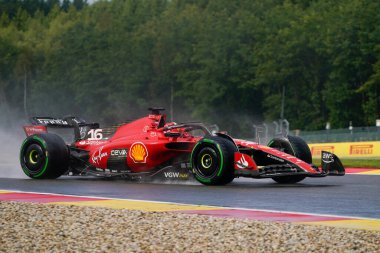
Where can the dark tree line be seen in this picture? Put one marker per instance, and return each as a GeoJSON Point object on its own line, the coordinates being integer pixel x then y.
{"type": "Point", "coordinates": [11, 8]}
{"type": "Point", "coordinates": [219, 61]}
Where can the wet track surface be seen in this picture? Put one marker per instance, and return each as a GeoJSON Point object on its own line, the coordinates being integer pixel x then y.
{"type": "Point", "coordinates": [351, 195]}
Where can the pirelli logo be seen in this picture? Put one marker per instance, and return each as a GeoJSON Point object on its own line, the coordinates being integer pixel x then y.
{"type": "Point", "coordinates": [317, 151]}
{"type": "Point", "coordinates": [363, 149]}
{"type": "Point", "coordinates": [347, 149]}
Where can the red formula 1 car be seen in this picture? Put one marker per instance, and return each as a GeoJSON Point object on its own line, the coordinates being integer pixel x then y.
{"type": "Point", "coordinates": [150, 148]}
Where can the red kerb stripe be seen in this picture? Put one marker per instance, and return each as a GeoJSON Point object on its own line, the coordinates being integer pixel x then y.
{"type": "Point", "coordinates": [263, 215]}
{"type": "Point", "coordinates": [41, 198]}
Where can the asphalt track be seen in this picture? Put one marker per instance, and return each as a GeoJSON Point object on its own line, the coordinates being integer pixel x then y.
{"type": "Point", "coordinates": [351, 195]}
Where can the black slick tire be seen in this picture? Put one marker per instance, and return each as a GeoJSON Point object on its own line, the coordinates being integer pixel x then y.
{"type": "Point", "coordinates": [212, 161]}
{"type": "Point", "coordinates": [44, 156]}
{"type": "Point", "coordinates": [295, 146]}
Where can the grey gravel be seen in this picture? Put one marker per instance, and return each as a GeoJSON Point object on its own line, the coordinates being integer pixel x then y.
{"type": "Point", "coordinates": [30, 227]}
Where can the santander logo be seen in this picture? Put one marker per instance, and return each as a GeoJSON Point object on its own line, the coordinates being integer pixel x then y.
{"type": "Point", "coordinates": [242, 163]}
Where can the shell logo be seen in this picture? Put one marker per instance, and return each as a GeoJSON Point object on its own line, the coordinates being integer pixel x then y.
{"type": "Point", "coordinates": [138, 152]}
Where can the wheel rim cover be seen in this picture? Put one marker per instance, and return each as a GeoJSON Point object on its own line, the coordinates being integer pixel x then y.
{"type": "Point", "coordinates": [206, 161]}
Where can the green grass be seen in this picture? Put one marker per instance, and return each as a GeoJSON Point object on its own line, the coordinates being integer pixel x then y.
{"type": "Point", "coordinates": [356, 163]}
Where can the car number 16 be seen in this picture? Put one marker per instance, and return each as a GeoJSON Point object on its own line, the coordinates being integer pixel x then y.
{"type": "Point", "coordinates": [95, 134]}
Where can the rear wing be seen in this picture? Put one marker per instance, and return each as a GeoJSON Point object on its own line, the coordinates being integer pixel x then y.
{"type": "Point", "coordinates": [41, 125]}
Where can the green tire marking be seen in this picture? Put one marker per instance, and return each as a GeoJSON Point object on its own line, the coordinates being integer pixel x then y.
{"type": "Point", "coordinates": [43, 143]}
{"type": "Point", "coordinates": [203, 180]}
{"type": "Point", "coordinates": [40, 141]}
{"type": "Point", "coordinates": [221, 157]}
{"type": "Point", "coordinates": [21, 157]}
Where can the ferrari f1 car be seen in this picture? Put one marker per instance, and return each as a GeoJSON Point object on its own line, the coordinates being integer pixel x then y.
{"type": "Point", "coordinates": [151, 148]}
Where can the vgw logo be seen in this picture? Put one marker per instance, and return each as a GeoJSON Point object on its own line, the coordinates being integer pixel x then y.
{"type": "Point", "coordinates": [327, 157]}
{"type": "Point", "coordinates": [175, 175]}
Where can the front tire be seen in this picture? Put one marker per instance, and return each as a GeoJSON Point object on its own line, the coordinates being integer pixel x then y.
{"type": "Point", "coordinates": [212, 160]}
{"type": "Point", "coordinates": [295, 146]}
{"type": "Point", "coordinates": [44, 156]}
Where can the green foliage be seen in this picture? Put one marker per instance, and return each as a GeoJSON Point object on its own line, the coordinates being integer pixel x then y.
{"type": "Point", "coordinates": [223, 62]}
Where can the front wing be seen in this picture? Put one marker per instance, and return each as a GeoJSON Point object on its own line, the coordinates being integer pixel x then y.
{"type": "Point", "coordinates": [245, 166]}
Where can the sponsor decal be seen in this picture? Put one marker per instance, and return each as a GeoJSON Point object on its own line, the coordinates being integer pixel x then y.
{"type": "Point", "coordinates": [145, 129]}
{"type": "Point", "coordinates": [317, 151]}
{"type": "Point", "coordinates": [30, 130]}
{"type": "Point", "coordinates": [327, 157]}
{"type": "Point", "coordinates": [95, 134]}
{"type": "Point", "coordinates": [280, 156]}
{"type": "Point", "coordinates": [35, 129]}
{"type": "Point", "coordinates": [276, 158]}
{"type": "Point", "coordinates": [52, 121]}
{"type": "Point", "coordinates": [119, 153]}
{"type": "Point", "coordinates": [171, 174]}
{"type": "Point", "coordinates": [347, 149]}
{"type": "Point", "coordinates": [117, 160]}
{"type": "Point", "coordinates": [366, 149]}
{"type": "Point", "coordinates": [242, 163]}
{"type": "Point", "coordinates": [89, 142]}
{"type": "Point", "coordinates": [138, 152]}
{"type": "Point", "coordinates": [98, 155]}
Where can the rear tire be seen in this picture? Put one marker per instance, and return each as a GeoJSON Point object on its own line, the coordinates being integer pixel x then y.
{"type": "Point", "coordinates": [296, 146]}
{"type": "Point", "coordinates": [44, 156]}
{"type": "Point", "coordinates": [212, 160]}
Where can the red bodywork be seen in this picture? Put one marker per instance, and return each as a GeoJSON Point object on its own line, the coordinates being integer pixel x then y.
{"type": "Point", "coordinates": [144, 141]}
